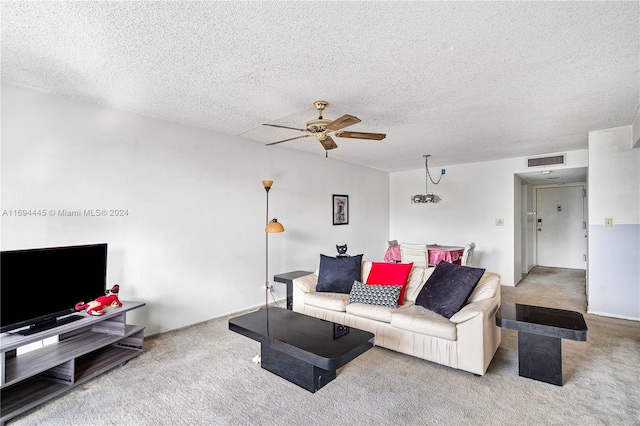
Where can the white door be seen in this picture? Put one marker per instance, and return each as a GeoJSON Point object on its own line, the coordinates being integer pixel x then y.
{"type": "Point", "coordinates": [560, 230]}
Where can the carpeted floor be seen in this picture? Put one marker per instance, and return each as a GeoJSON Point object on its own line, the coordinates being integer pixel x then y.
{"type": "Point", "coordinates": [203, 375]}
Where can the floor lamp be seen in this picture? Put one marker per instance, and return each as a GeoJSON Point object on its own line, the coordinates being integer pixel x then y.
{"type": "Point", "coordinates": [272, 227]}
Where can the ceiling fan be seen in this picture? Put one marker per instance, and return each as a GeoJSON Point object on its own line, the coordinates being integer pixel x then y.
{"type": "Point", "coordinates": [323, 129]}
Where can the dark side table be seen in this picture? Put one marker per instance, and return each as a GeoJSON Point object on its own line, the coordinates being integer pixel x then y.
{"type": "Point", "coordinates": [287, 278]}
{"type": "Point", "coordinates": [540, 334]}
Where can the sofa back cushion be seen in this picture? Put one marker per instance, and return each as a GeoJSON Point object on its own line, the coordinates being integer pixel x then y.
{"type": "Point", "coordinates": [416, 280]}
{"type": "Point", "coordinates": [366, 268]}
{"type": "Point", "coordinates": [486, 288]}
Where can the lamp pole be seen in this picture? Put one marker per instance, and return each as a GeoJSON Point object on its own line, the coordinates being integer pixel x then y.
{"type": "Point", "coordinates": [267, 186]}
{"type": "Point", "coordinates": [272, 226]}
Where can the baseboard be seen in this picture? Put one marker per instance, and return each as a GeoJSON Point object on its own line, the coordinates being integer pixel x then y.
{"type": "Point", "coordinates": [606, 314]}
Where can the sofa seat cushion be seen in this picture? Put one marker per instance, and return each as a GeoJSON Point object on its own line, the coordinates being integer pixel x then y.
{"type": "Point", "coordinates": [423, 321]}
{"type": "Point", "coordinates": [373, 312]}
{"type": "Point", "coordinates": [331, 301]}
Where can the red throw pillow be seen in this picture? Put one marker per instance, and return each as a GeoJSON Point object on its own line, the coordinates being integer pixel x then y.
{"type": "Point", "coordinates": [383, 273]}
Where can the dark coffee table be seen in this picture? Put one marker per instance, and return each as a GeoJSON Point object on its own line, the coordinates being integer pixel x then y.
{"type": "Point", "coordinates": [305, 350]}
{"type": "Point", "coordinates": [540, 334]}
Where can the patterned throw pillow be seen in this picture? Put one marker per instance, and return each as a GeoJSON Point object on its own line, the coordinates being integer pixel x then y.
{"type": "Point", "coordinates": [383, 295]}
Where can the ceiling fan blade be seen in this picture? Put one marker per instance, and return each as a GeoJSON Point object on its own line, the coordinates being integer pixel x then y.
{"type": "Point", "coordinates": [287, 140]}
{"type": "Point", "coordinates": [342, 122]}
{"type": "Point", "coordinates": [328, 143]}
{"type": "Point", "coordinates": [362, 135]}
{"type": "Point", "coordinates": [285, 127]}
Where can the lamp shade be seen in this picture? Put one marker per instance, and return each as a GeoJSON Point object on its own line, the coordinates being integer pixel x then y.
{"type": "Point", "coordinates": [274, 227]}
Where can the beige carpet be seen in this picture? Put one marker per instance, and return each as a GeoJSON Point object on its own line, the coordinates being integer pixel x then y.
{"type": "Point", "coordinates": [203, 375]}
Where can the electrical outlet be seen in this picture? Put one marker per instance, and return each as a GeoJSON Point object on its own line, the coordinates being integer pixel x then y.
{"type": "Point", "coordinates": [499, 222]}
{"type": "Point", "coordinates": [608, 222]}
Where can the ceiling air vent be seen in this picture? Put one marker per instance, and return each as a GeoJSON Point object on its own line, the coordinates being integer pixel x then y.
{"type": "Point", "coordinates": [550, 160]}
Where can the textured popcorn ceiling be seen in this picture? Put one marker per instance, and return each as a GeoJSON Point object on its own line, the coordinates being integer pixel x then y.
{"type": "Point", "coordinates": [461, 81]}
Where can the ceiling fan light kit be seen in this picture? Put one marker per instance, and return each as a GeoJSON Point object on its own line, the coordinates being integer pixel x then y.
{"type": "Point", "coordinates": [428, 197]}
{"type": "Point", "coordinates": [323, 129]}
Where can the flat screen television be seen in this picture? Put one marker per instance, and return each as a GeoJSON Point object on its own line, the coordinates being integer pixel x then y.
{"type": "Point", "coordinates": [39, 288]}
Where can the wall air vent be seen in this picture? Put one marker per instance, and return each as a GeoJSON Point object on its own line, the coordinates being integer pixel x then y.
{"type": "Point", "coordinates": [550, 160]}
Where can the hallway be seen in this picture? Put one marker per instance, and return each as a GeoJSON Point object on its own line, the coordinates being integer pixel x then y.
{"type": "Point", "coordinates": [560, 288]}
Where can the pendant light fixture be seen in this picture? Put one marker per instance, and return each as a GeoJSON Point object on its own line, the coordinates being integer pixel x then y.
{"type": "Point", "coordinates": [428, 197]}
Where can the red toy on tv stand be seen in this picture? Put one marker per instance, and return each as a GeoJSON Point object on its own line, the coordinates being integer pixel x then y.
{"type": "Point", "coordinates": [95, 307]}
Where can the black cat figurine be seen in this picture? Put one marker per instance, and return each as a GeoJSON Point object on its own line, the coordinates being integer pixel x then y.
{"type": "Point", "coordinates": [342, 250]}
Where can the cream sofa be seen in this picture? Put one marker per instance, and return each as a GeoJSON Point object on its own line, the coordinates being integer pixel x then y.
{"type": "Point", "coordinates": [467, 341]}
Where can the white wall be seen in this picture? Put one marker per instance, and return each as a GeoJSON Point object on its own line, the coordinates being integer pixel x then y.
{"type": "Point", "coordinates": [635, 126]}
{"type": "Point", "coordinates": [473, 197]}
{"type": "Point", "coordinates": [192, 246]}
{"type": "Point", "coordinates": [518, 225]}
{"type": "Point", "coordinates": [614, 253]}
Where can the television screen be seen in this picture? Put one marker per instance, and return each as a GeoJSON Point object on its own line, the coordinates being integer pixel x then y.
{"type": "Point", "coordinates": [39, 285]}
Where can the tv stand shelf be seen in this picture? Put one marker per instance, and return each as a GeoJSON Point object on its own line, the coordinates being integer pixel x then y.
{"type": "Point", "coordinates": [85, 349]}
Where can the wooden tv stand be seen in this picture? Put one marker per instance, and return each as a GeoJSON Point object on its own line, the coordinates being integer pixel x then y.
{"type": "Point", "coordinates": [86, 348]}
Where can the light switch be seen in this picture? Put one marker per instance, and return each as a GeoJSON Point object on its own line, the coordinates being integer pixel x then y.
{"type": "Point", "coordinates": [499, 222]}
{"type": "Point", "coordinates": [608, 222]}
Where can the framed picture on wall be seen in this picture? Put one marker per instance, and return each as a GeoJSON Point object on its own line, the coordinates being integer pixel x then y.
{"type": "Point", "coordinates": [340, 209]}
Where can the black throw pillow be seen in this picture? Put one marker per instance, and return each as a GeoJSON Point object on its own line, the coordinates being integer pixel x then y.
{"type": "Point", "coordinates": [337, 274]}
{"type": "Point", "coordinates": [448, 287]}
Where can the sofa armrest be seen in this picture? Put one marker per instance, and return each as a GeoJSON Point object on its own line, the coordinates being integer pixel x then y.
{"type": "Point", "coordinates": [302, 286]}
{"type": "Point", "coordinates": [306, 283]}
{"type": "Point", "coordinates": [478, 335]}
{"type": "Point", "coordinates": [471, 310]}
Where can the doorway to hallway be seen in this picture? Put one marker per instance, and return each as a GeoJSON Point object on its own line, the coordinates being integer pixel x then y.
{"type": "Point", "coordinates": [561, 226]}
